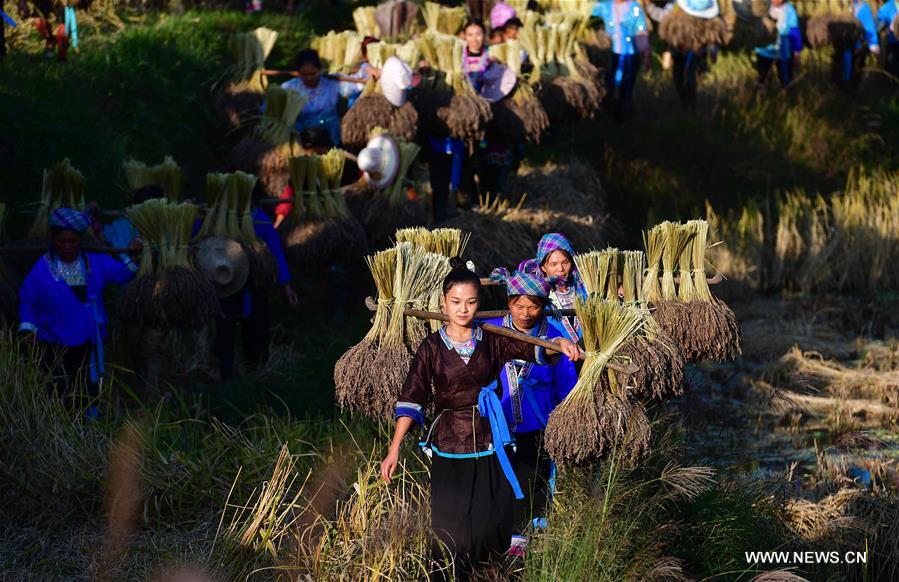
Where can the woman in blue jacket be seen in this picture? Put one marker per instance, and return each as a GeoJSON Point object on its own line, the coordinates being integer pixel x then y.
{"type": "Point", "coordinates": [530, 392]}
{"type": "Point", "coordinates": [61, 300]}
{"type": "Point", "coordinates": [785, 49]}
{"type": "Point", "coordinates": [625, 23]}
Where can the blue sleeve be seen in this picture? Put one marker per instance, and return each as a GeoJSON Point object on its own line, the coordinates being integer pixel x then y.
{"type": "Point", "coordinates": [113, 271]}
{"type": "Point", "coordinates": [27, 302]}
{"type": "Point", "coordinates": [640, 18]}
{"type": "Point", "coordinates": [266, 232]}
{"type": "Point", "coordinates": [599, 10]}
{"type": "Point", "coordinates": [866, 17]}
{"type": "Point", "coordinates": [564, 379]}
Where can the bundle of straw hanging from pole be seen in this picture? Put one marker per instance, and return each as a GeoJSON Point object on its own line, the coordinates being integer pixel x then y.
{"type": "Point", "coordinates": [166, 175]}
{"type": "Point", "coordinates": [364, 19]}
{"type": "Point", "coordinates": [443, 19]}
{"type": "Point", "coordinates": [63, 186]}
{"type": "Point", "coordinates": [8, 299]}
{"type": "Point", "coordinates": [705, 327]}
{"type": "Point", "coordinates": [341, 51]}
{"type": "Point", "coordinates": [266, 150]}
{"type": "Point", "coordinates": [397, 19]}
{"type": "Point", "coordinates": [242, 98]}
{"type": "Point", "coordinates": [372, 109]}
{"type": "Point", "coordinates": [447, 242]}
{"type": "Point", "coordinates": [381, 212]}
{"type": "Point", "coordinates": [599, 415]}
{"type": "Point", "coordinates": [569, 87]}
{"type": "Point", "coordinates": [320, 229]}
{"type": "Point", "coordinates": [618, 275]}
{"type": "Point", "coordinates": [446, 101]}
{"type": "Point", "coordinates": [370, 375]}
{"type": "Point", "coordinates": [229, 214]}
{"type": "Point", "coordinates": [749, 28]}
{"type": "Point", "coordinates": [519, 117]}
{"type": "Point", "coordinates": [684, 32]}
{"type": "Point", "coordinates": [168, 290]}
{"type": "Point", "coordinates": [840, 30]}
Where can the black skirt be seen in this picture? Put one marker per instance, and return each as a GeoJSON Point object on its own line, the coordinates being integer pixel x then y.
{"type": "Point", "coordinates": [532, 467]}
{"type": "Point", "coordinates": [471, 511]}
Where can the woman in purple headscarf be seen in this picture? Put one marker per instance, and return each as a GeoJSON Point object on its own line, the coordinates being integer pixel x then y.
{"type": "Point", "coordinates": [555, 263]}
{"type": "Point", "coordinates": [61, 300]}
{"type": "Point", "coordinates": [530, 393]}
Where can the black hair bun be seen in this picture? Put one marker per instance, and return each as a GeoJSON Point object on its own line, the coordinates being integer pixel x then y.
{"type": "Point", "coordinates": [456, 263]}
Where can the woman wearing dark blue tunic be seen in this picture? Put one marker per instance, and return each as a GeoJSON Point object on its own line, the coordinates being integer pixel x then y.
{"type": "Point", "coordinates": [61, 299]}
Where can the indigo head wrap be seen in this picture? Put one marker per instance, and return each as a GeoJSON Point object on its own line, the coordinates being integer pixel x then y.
{"type": "Point", "coordinates": [69, 219]}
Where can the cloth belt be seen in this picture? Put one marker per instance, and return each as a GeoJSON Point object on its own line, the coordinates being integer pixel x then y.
{"type": "Point", "coordinates": [491, 408]}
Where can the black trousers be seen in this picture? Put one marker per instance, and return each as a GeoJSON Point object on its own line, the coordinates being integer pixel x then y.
{"type": "Point", "coordinates": [70, 369]}
{"type": "Point", "coordinates": [254, 331]}
{"type": "Point", "coordinates": [784, 69]}
{"type": "Point", "coordinates": [471, 511]}
{"type": "Point", "coordinates": [532, 467]}
{"type": "Point", "coordinates": [847, 66]}
{"type": "Point", "coordinates": [440, 170]}
{"type": "Point", "coordinates": [621, 91]}
{"type": "Point", "coordinates": [687, 66]}
{"type": "Point", "coordinates": [892, 58]}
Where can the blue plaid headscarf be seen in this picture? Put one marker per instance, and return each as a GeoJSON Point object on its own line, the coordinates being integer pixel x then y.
{"type": "Point", "coordinates": [69, 219]}
{"type": "Point", "coordinates": [519, 283]}
{"type": "Point", "coordinates": [552, 241]}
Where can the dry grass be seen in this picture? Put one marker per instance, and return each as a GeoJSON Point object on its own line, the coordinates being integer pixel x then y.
{"type": "Point", "coordinates": [843, 242]}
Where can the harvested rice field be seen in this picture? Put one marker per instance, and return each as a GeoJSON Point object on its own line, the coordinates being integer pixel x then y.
{"type": "Point", "coordinates": [739, 393]}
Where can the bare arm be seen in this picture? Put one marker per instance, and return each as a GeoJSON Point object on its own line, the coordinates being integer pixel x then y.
{"type": "Point", "coordinates": [390, 462]}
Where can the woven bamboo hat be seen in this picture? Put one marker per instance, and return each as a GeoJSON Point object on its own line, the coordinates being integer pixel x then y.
{"type": "Point", "coordinates": [224, 262]}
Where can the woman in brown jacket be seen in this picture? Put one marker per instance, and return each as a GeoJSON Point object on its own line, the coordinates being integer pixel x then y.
{"type": "Point", "coordinates": [472, 482]}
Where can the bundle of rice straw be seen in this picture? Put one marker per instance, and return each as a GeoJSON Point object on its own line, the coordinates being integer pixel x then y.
{"type": "Point", "coordinates": [8, 298]}
{"type": "Point", "coordinates": [839, 30]}
{"type": "Point", "coordinates": [684, 32]}
{"type": "Point", "coordinates": [599, 415]}
{"type": "Point", "coordinates": [750, 30]}
{"type": "Point", "coordinates": [381, 212]}
{"type": "Point", "coordinates": [499, 236]}
{"type": "Point", "coordinates": [584, 7]}
{"type": "Point", "coordinates": [519, 117]}
{"type": "Point", "coordinates": [705, 327]}
{"type": "Point", "coordinates": [366, 24]}
{"type": "Point", "coordinates": [242, 98]}
{"type": "Point", "coordinates": [229, 214]}
{"type": "Point", "coordinates": [250, 49]}
{"type": "Point", "coordinates": [397, 19]}
{"type": "Point", "coordinates": [443, 19]}
{"type": "Point", "coordinates": [370, 375]}
{"type": "Point", "coordinates": [447, 242]}
{"type": "Point", "coordinates": [372, 109]}
{"type": "Point", "coordinates": [166, 175]}
{"type": "Point", "coordinates": [63, 186]}
{"type": "Point", "coordinates": [273, 140]}
{"type": "Point", "coordinates": [659, 360]}
{"type": "Point", "coordinates": [168, 290]}
{"type": "Point", "coordinates": [570, 88]}
{"type": "Point", "coordinates": [447, 103]}
{"type": "Point", "coordinates": [320, 229]}
{"type": "Point", "coordinates": [341, 51]}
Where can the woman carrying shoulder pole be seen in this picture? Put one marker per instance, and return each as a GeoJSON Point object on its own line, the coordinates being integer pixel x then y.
{"type": "Point", "coordinates": [473, 484]}
{"type": "Point", "coordinates": [530, 393]}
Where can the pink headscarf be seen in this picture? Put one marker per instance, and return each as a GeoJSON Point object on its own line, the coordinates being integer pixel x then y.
{"type": "Point", "coordinates": [500, 15]}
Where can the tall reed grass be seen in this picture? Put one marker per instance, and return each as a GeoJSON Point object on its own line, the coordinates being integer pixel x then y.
{"type": "Point", "coordinates": [847, 241]}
